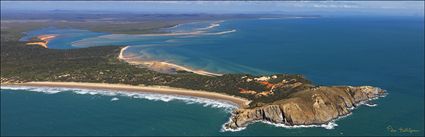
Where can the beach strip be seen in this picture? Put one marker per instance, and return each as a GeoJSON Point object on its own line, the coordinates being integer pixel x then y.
{"type": "Point", "coordinates": [241, 102]}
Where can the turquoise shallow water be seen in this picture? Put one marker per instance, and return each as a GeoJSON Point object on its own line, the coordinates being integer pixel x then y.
{"type": "Point", "coordinates": [386, 52]}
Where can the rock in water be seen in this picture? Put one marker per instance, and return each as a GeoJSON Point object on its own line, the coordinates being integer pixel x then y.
{"type": "Point", "coordinates": [316, 105]}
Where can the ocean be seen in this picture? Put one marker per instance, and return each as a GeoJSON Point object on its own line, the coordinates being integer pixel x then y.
{"type": "Point", "coordinates": [386, 52]}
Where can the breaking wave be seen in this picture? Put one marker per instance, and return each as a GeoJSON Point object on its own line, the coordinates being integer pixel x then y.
{"type": "Point", "coordinates": [115, 99]}
{"type": "Point", "coordinates": [227, 106]}
{"type": "Point", "coordinates": [330, 125]}
{"type": "Point", "coordinates": [222, 32]}
{"type": "Point", "coordinates": [371, 105]}
{"type": "Point", "coordinates": [212, 25]}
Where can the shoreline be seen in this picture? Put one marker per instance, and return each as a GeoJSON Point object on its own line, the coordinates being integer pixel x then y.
{"type": "Point", "coordinates": [162, 65]}
{"type": "Point", "coordinates": [167, 67]}
{"type": "Point", "coordinates": [44, 40]}
{"type": "Point", "coordinates": [240, 102]}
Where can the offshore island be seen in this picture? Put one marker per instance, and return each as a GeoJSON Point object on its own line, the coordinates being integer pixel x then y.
{"type": "Point", "coordinates": [288, 99]}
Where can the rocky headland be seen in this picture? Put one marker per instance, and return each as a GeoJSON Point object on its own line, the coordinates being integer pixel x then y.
{"type": "Point", "coordinates": [312, 106]}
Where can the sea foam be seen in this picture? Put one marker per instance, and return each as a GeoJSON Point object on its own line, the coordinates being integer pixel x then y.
{"type": "Point", "coordinates": [226, 105]}
{"type": "Point", "coordinates": [222, 32]}
{"type": "Point", "coordinates": [329, 125]}
{"type": "Point", "coordinates": [115, 99]}
{"type": "Point", "coordinates": [212, 25]}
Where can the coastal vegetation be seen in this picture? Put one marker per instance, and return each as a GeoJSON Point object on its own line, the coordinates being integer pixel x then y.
{"type": "Point", "coordinates": [23, 63]}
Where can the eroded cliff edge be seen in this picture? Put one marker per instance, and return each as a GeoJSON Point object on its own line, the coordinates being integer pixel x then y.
{"type": "Point", "coordinates": [312, 106]}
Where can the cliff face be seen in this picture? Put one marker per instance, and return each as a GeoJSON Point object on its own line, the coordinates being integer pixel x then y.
{"type": "Point", "coordinates": [312, 106]}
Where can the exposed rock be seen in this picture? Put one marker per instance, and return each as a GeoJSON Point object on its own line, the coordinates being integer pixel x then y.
{"type": "Point", "coordinates": [317, 105]}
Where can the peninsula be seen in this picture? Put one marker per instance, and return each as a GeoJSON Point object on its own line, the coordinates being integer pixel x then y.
{"type": "Point", "coordinates": [289, 99]}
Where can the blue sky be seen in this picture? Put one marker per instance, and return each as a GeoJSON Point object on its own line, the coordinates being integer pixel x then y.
{"type": "Point", "coordinates": [399, 8]}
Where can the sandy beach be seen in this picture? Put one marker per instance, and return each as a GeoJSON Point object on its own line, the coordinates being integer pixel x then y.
{"type": "Point", "coordinates": [241, 102]}
{"type": "Point", "coordinates": [162, 66]}
{"type": "Point", "coordinates": [44, 40]}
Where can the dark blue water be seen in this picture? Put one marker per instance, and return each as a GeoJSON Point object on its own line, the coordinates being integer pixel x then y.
{"type": "Point", "coordinates": [386, 52]}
